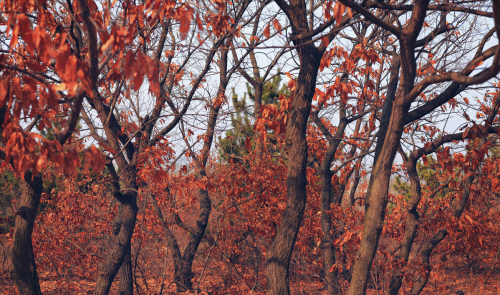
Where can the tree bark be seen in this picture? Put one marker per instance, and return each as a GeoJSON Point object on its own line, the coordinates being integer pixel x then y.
{"type": "Point", "coordinates": [126, 286]}
{"type": "Point", "coordinates": [326, 174]}
{"type": "Point", "coordinates": [425, 254]}
{"type": "Point", "coordinates": [355, 183]}
{"type": "Point", "coordinates": [326, 228]}
{"type": "Point", "coordinates": [378, 189]}
{"type": "Point", "coordinates": [23, 268]}
{"type": "Point", "coordinates": [121, 245]}
{"type": "Point", "coordinates": [183, 274]}
{"type": "Point", "coordinates": [412, 220]}
{"type": "Point", "coordinates": [125, 274]}
{"type": "Point", "coordinates": [280, 251]}
{"type": "Point", "coordinates": [333, 285]}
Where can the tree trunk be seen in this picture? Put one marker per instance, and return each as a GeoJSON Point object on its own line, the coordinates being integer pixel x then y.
{"type": "Point", "coordinates": [425, 253]}
{"type": "Point", "coordinates": [355, 183]}
{"type": "Point", "coordinates": [376, 199]}
{"type": "Point", "coordinates": [326, 174]}
{"type": "Point", "coordinates": [121, 245]}
{"type": "Point", "coordinates": [280, 251]}
{"type": "Point", "coordinates": [23, 268]}
{"type": "Point", "coordinates": [333, 285]}
{"type": "Point", "coordinates": [378, 189]}
{"type": "Point", "coordinates": [428, 247]}
{"type": "Point", "coordinates": [183, 275]}
{"type": "Point", "coordinates": [126, 286]}
{"type": "Point", "coordinates": [412, 220]}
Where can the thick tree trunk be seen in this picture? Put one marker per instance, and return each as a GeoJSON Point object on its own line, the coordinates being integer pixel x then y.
{"type": "Point", "coordinates": [23, 268]}
{"type": "Point", "coordinates": [119, 251]}
{"type": "Point", "coordinates": [280, 251]}
{"type": "Point", "coordinates": [126, 286]}
{"type": "Point", "coordinates": [125, 274]}
{"type": "Point", "coordinates": [183, 276]}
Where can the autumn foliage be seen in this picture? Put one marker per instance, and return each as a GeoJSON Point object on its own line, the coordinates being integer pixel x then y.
{"type": "Point", "coordinates": [366, 160]}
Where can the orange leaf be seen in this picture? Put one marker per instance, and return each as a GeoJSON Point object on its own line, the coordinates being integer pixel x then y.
{"type": "Point", "coordinates": [248, 143]}
{"type": "Point", "coordinates": [4, 91]}
{"type": "Point", "coordinates": [349, 12]}
{"type": "Point", "coordinates": [325, 41]}
{"type": "Point", "coordinates": [198, 22]}
{"type": "Point", "coordinates": [340, 12]}
{"type": "Point", "coordinates": [277, 26]}
{"type": "Point", "coordinates": [15, 36]}
{"type": "Point", "coordinates": [424, 158]}
{"type": "Point", "coordinates": [185, 19]}
{"type": "Point", "coordinates": [267, 31]}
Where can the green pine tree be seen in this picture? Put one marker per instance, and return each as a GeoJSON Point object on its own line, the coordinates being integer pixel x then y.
{"type": "Point", "coordinates": [233, 145]}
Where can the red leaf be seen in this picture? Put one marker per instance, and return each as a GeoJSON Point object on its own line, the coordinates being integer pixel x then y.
{"type": "Point", "coordinates": [267, 31]}
{"type": "Point", "coordinates": [248, 143]}
{"type": "Point", "coordinates": [185, 19]}
{"type": "Point", "coordinates": [325, 40]}
{"type": "Point", "coordinates": [198, 22]}
{"type": "Point", "coordinates": [277, 26]}
{"type": "Point", "coordinates": [349, 12]}
{"type": "Point", "coordinates": [424, 158]}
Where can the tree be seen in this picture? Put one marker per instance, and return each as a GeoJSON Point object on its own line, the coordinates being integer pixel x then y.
{"type": "Point", "coordinates": [147, 82]}
{"type": "Point", "coordinates": [233, 145]}
{"type": "Point", "coordinates": [389, 139]}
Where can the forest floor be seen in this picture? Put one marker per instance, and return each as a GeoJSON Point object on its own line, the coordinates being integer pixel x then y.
{"type": "Point", "coordinates": [217, 280]}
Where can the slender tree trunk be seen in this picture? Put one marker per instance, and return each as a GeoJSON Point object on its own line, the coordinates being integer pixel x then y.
{"type": "Point", "coordinates": [429, 246]}
{"type": "Point", "coordinates": [333, 285]}
{"type": "Point", "coordinates": [378, 189]}
{"type": "Point", "coordinates": [258, 100]}
{"type": "Point", "coordinates": [280, 251]}
{"type": "Point", "coordinates": [376, 199]}
{"type": "Point", "coordinates": [424, 256]}
{"type": "Point", "coordinates": [23, 268]}
{"type": "Point", "coordinates": [327, 239]}
{"type": "Point", "coordinates": [183, 274]}
{"type": "Point", "coordinates": [412, 220]}
{"type": "Point", "coordinates": [121, 245]}
{"type": "Point", "coordinates": [326, 174]}
{"type": "Point", "coordinates": [355, 183]}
